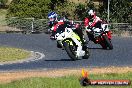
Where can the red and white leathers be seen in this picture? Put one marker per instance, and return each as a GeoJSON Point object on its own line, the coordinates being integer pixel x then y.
{"type": "Point", "coordinates": [56, 25]}
{"type": "Point", "coordinates": [95, 21]}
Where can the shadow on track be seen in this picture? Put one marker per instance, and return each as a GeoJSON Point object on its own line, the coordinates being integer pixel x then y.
{"type": "Point", "coordinates": [63, 60]}
{"type": "Point", "coordinates": [96, 48]}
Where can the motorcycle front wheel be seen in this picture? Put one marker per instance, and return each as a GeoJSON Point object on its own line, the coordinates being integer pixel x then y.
{"type": "Point", "coordinates": [108, 42]}
{"type": "Point", "coordinates": [70, 51]}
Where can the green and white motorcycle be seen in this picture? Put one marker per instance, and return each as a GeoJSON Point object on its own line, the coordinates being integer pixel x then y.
{"type": "Point", "coordinates": [71, 42]}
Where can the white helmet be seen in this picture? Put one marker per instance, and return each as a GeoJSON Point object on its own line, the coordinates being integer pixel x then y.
{"type": "Point", "coordinates": [91, 12]}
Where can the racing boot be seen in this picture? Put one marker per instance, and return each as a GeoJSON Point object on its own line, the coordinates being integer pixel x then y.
{"type": "Point", "coordinates": [59, 45]}
{"type": "Point", "coordinates": [84, 44]}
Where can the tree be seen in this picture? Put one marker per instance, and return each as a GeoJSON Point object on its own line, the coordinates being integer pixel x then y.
{"type": "Point", "coordinates": [3, 3]}
{"type": "Point", "coordinates": [29, 8]}
{"type": "Point", "coordinates": [36, 8]}
{"type": "Point", "coordinates": [80, 11]}
{"type": "Point", "coordinates": [120, 10]}
{"type": "Point", "coordinates": [55, 3]}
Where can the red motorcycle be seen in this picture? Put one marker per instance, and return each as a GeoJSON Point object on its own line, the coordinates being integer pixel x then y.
{"type": "Point", "coordinates": [101, 36]}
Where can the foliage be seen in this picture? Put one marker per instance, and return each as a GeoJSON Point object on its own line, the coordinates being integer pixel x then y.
{"type": "Point", "coordinates": [36, 9]}
{"type": "Point", "coordinates": [40, 8]}
{"type": "Point", "coordinates": [102, 11]}
{"type": "Point", "coordinates": [120, 9]}
{"type": "Point", "coordinates": [66, 9]}
{"type": "Point", "coordinates": [29, 8]}
{"type": "Point", "coordinates": [56, 3]}
{"type": "Point", "coordinates": [3, 3]}
{"type": "Point", "coordinates": [80, 11]}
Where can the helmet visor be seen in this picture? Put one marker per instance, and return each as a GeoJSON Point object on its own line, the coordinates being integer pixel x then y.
{"type": "Point", "coordinates": [51, 19]}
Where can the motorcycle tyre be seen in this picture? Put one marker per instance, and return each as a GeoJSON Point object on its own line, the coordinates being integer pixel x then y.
{"type": "Point", "coordinates": [108, 42]}
{"type": "Point", "coordinates": [69, 51]}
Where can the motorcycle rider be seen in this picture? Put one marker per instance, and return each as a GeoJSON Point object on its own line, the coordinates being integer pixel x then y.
{"type": "Point", "coordinates": [92, 21]}
{"type": "Point", "coordinates": [56, 24]}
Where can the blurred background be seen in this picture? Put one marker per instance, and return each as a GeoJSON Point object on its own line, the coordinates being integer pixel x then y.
{"type": "Point", "coordinates": [28, 16]}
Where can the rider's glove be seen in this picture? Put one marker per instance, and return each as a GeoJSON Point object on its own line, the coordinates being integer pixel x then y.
{"type": "Point", "coordinates": [52, 37]}
{"type": "Point", "coordinates": [49, 30]}
{"type": "Point", "coordinates": [88, 28]}
{"type": "Point", "coordinates": [52, 28]}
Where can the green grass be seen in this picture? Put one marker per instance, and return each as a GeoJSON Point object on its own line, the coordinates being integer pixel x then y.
{"type": "Point", "coordinates": [11, 54]}
{"type": "Point", "coordinates": [65, 82]}
{"type": "Point", "coordinates": [3, 13]}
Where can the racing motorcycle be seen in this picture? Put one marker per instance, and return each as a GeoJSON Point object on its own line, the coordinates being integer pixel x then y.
{"type": "Point", "coordinates": [101, 36]}
{"type": "Point", "coordinates": [71, 43]}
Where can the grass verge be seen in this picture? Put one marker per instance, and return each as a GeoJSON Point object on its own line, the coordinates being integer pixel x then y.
{"type": "Point", "coordinates": [12, 54]}
{"type": "Point", "coordinates": [65, 82]}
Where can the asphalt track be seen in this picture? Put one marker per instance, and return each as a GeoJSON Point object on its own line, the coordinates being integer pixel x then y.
{"type": "Point", "coordinates": [56, 58]}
